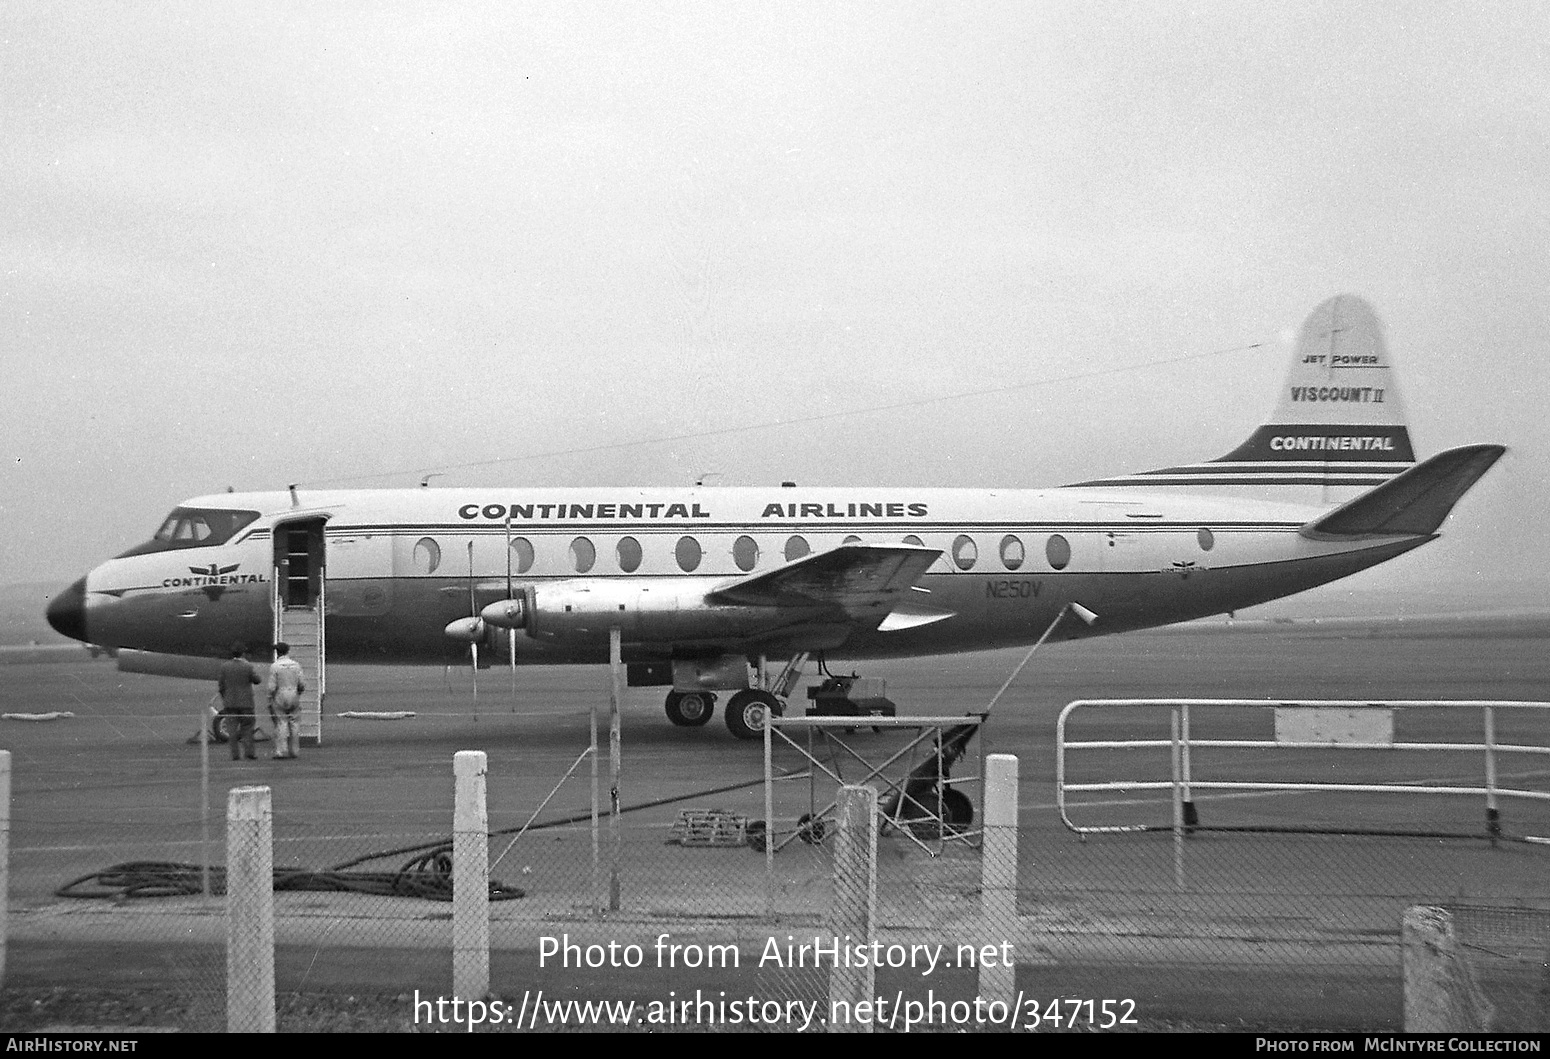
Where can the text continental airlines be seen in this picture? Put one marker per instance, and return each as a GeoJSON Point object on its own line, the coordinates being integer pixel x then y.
{"type": "Point", "coordinates": [667, 512]}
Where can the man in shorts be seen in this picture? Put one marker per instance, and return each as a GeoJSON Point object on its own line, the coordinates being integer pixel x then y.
{"type": "Point", "coordinates": [285, 687]}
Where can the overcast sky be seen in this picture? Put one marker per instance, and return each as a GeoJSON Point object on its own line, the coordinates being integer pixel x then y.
{"type": "Point", "coordinates": [248, 245]}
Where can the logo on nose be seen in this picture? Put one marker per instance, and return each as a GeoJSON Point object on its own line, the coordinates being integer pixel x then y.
{"type": "Point", "coordinates": [213, 578]}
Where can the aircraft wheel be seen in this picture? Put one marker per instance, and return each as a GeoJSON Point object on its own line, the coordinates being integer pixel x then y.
{"type": "Point", "coordinates": [758, 835]}
{"type": "Point", "coordinates": [747, 710]}
{"type": "Point", "coordinates": [690, 709]}
{"type": "Point", "coordinates": [957, 810]}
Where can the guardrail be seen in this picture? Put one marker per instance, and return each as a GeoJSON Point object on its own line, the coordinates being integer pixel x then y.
{"type": "Point", "coordinates": [1300, 724]}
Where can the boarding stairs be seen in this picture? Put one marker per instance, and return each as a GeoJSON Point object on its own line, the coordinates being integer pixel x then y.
{"type": "Point", "coordinates": [302, 628]}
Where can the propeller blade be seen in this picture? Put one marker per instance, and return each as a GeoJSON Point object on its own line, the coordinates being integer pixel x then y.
{"type": "Point", "coordinates": [473, 644]}
{"type": "Point", "coordinates": [511, 636]}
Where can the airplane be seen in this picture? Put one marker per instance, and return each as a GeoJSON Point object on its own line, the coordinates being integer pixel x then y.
{"type": "Point", "coordinates": [708, 585]}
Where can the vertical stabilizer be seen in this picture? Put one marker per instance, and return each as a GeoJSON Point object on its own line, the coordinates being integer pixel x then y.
{"type": "Point", "coordinates": [1338, 428]}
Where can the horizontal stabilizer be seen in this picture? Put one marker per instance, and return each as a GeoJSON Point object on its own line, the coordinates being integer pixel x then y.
{"type": "Point", "coordinates": [1415, 502]}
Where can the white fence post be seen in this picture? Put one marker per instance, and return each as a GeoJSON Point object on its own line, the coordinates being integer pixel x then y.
{"type": "Point", "coordinates": [855, 902]}
{"type": "Point", "coordinates": [5, 853]}
{"type": "Point", "coordinates": [1441, 995]}
{"type": "Point", "coordinates": [249, 911]}
{"type": "Point", "coordinates": [470, 879]}
{"type": "Point", "coordinates": [998, 881]}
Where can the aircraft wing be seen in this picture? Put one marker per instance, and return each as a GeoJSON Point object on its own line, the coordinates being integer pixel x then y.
{"type": "Point", "coordinates": [865, 582]}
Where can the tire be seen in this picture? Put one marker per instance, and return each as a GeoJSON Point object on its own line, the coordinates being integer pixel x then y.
{"type": "Point", "coordinates": [747, 710]}
{"type": "Point", "coordinates": [690, 709]}
{"type": "Point", "coordinates": [758, 836]}
{"type": "Point", "coordinates": [957, 810]}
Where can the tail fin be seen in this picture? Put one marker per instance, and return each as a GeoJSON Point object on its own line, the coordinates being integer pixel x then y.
{"type": "Point", "coordinates": [1338, 428]}
{"type": "Point", "coordinates": [1415, 502]}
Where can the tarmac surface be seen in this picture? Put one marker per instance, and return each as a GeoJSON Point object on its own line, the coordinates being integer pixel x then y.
{"type": "Point", "coordinates": [1252, 927]}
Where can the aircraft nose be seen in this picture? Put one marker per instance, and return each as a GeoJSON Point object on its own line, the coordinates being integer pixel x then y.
{"type": "Point", "coordinates": [67, 611]}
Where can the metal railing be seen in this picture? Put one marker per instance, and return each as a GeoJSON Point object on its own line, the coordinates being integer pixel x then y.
{"type": "Point", "coordinates": [1370, 716]}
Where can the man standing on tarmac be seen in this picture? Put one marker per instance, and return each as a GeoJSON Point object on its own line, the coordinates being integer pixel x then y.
{"type": "Point", "coordinates": [236, 685]}
{"type": "Point", "coordinates": [285, 688]}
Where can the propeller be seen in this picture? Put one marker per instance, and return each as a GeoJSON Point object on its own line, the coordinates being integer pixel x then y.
{"type": "Point", "coordinates": [511, 634]}
{"type": "Point", "coordinates": [470, 630]}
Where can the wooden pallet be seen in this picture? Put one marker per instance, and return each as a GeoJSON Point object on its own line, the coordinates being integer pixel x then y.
{"type": "Point", "coordinates": [710, 827]}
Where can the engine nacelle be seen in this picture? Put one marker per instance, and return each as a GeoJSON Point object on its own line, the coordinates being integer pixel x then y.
{"type": "Point", "coordinates": [661, 610]}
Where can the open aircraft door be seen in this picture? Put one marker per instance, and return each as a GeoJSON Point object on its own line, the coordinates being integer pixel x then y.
{"type": "Point", "coordinates": [300, 606]}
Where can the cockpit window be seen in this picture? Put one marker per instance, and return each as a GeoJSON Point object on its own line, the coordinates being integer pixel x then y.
{"type": "Point", "coordinates": [193, 527]}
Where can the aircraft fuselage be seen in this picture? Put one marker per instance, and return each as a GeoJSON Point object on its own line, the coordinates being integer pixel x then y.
{"type": "Point", "coordinates": [394, 567]}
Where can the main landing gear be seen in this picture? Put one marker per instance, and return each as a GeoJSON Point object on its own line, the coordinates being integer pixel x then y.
{"type": "Point", "coordinates": [747, 711]}
{"type": "Point", "coordinates": [759, 694]}
{"type": "Point", "coordinates": [690, 709]}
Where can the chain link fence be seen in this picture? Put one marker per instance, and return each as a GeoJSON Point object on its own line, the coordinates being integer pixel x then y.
{"type": "Point", "coordinates": [1235, 922]}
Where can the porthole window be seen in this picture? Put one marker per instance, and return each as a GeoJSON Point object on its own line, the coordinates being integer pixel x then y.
{"type": "Point", "coordinates": [745, 552]}
{"type": "Point", "coordinates": [427, 555]}
{"type": "Point", "coordinates": [688, 553]}
{"type": "Point", "coordinates": [852, 539]}
{"type": "Point", "coordinates": [1011, 552]}
{"type": "Point", "coordinates": [1206, 538]}
{"type": "Point", "coordinates": [582, 555]}
{"type": "Point", "coordinates": [1058, 551]}
{"type": "Point", "coordinates": [522, 554]}
{"type": "Point", "coordinates": [629, 554]}
{"type": "Point", "coordinates": [965, 552]}
{"type": "Point", "coordinates": [916, 541]}
{"type": "Point", "coordinates": [796, 547]}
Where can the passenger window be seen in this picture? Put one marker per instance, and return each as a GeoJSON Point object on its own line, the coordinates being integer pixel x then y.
{"type": "Point", "coordinates": [965, 552]}
{"type": "Point", "coordinates": [629, 554]}
{"type": "Point", "coordinates": [522, 552]}
{"type": "Point", "coordinates": [1206, 538]}
{"type": "Point", "coordinates": [1058, 551]}
{"type": "Point", "coordinates": [796, 547]}
{"type": "Point", "coordinates": [582, 555]}
{"type": "Point", "coordinates": [1011, 552]}
{"type": "Point", "coordinates": [916, 541]}
{"type": "Point", "coordinates": [745, 552]}
{"type": "Point", "coordinates": [852, 539]}
{"type": "Point", "coordinates": [427, 555]}
{"type": "Point", "coordinates": [688, 554]}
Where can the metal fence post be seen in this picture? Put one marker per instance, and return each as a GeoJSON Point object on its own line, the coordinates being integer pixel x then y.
{"type": "Point", "coordinates": [249, 911]}
{"type": "Point", "coordinates": [1178, 798]}
{"type": "Point", "coordinates": [470, 878]}
{"type": "Point", "coordinates": [855, 902]}
{"type": "Point", "coordinates": [769, 820]}
{"type": "Point", "coordinates": [5, 853]}
{"type": "Point", "coordinates": [998, 881]}
{"type": "Point", "coordinates": [615, 697]}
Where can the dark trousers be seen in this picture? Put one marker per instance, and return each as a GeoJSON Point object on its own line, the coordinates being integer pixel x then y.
{"type": "Point", "coordinates": [239, 727]}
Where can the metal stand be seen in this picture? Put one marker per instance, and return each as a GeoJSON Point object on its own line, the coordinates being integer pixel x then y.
{"type": "Point", "coordinates": [918, 794]}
